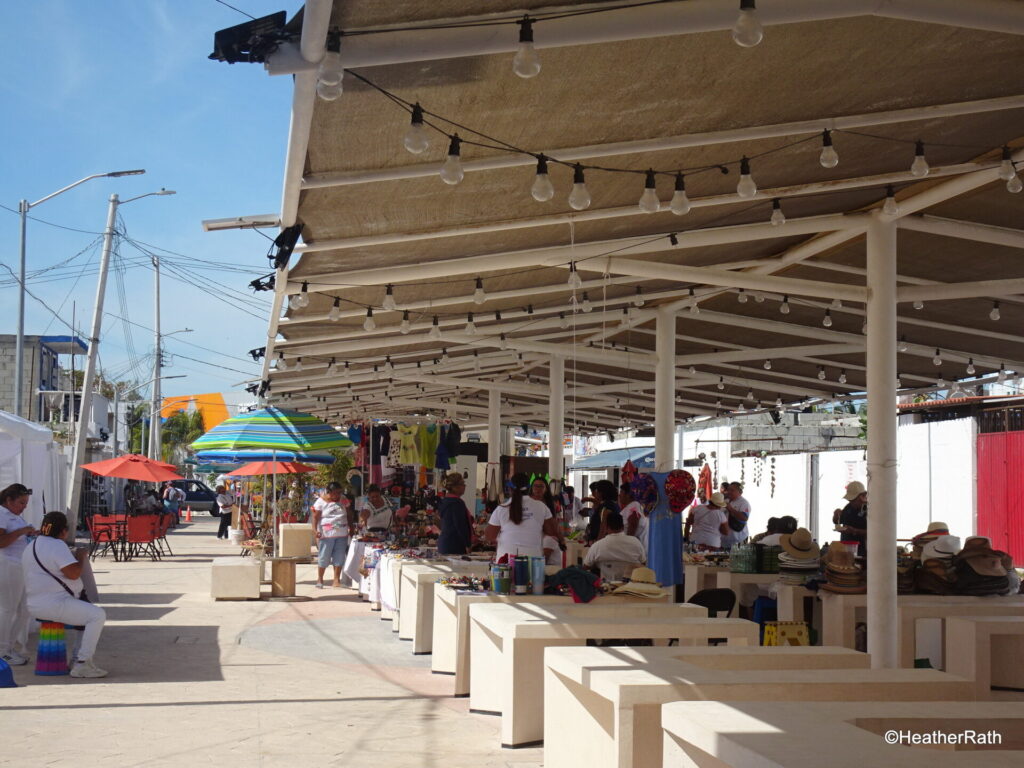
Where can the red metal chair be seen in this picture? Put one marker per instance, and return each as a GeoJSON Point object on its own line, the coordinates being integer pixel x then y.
{"type": "Point", "coordinates": [165, 522]}
{"type": "Point", "coordinates": [141, 536]}
{"type": "Point", "coordinates": [106, 530]}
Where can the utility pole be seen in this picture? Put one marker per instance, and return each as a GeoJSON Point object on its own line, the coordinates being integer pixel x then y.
{"type": "Point", "coordinates": [154, 424]}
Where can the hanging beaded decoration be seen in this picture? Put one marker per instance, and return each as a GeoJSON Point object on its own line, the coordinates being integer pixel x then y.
{"type": "Point", "coordinates": [773, 477]}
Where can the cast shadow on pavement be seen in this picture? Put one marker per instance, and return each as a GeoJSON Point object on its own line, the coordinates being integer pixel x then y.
{"type": "Point", "coordinates": [135, 612]}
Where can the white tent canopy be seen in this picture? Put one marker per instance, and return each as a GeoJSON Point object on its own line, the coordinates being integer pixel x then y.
{"type": "Point", "coordinates": [30, 456]}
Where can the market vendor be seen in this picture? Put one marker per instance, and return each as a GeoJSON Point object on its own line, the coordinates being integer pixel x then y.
{"type": "Point", "coordinates": [377, 514]}
{"type": "Point", "coordinates": [518, 526]}
{"type": "Point", "coordinates": [456, 522]}
{"type": "Point", "coordinates": [852, 520]}
{"type": "Point", "coordinates": [737, 512]}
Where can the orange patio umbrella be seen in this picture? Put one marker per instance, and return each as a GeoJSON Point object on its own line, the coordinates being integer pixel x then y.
{"type": "Point", "coordinates": [133, 467]}
{"type": "Point", "coordinates": [254, 468]}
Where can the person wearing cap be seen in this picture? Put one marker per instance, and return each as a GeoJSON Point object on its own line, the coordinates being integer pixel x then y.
{"type": "Point", "coordinates": [14, 531]}
{"type": "Point", "coordinates": [706, 524]}
{"type": "Point", "coordinates": [852, 520]}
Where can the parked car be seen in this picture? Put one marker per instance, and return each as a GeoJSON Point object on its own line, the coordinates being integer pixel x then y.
{"type": "Point", "coordinates": [198, 495]}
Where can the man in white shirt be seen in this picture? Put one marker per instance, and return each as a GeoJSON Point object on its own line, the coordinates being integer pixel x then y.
{"type": "Point", "coordinates": [737, 511]}
{"type": "Point", "coordinates": [616, 547]}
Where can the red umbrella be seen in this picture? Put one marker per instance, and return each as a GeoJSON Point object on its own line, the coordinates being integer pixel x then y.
{"type": "Point", "coordinates": [133, 467]}
{"type": "Point", "coordinates": [254, 468]}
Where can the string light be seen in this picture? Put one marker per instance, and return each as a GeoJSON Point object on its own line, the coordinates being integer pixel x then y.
{"type": "Point", "coordinates": [680, 203]}
{"type": "Point", "coordinates": [416, 139]}
{"type": "Point", "coordinates": [282, 365]}
{"type": "Point", "coordinates": [585, 305]}
{"type": "Point", "coordinates": [470, 325]}
{"type": "Point", "coordinates": [330, 72]}
{"type": "Point", "coordinates": [479, 297]}
{"type": "Point", "coordinates": [575, 281]}
{"type": "Point", "coordinates": [502, 342]}
{"type": "Point", "coordinates": [937, 360]}
{"type": "Point", "coordinates": [389, 298]}
{"type": "Point", "coordinates": [970, 366]}
{"type": "Point", "coordinates": [335, 314]}
{"type": "Point", "coordinates": [828, 158]}
{"type": "Point", "coordinates": [1001, 376]}
{"type": "Point", "coordinates": [750, 395]}
{"type": "Point", "coordinates": [778, 401]}
{"type": "Point", "coordinates": [778, 217]}
{"type": "Point", "coordinates": [298, 364]}
{"type": "Point", "coordinates": [388, 365]}
{"type": "Point", "coordinates": [741, 297]}
{"type": "Point", "coordinates": [526, 62]}
{"type": "Point", "coordinates": [369, 323]}
{"type": "Point", "coordinates": [842, 376]}
{"type": "Point", "coordinates": [579, 197]}
{"type": "Point", "coordinates": [1014, 185]}
{"type": "Point", "coordinates": [889, 207]}
{"type": "Point", "coordinates": [918, 304]}
{"type": "Point", "coordinates": [919, 167]}
{"type": "Point", "coordinates": [746, 188]}
{"type": "Point", "coordinates": [476, 360]}
{"type": "Point", "coordinates": [784, 306]}
{"type": "Point", "coordinates": [435, 329]}
{"type": "Point", "coordinates": [300, 300]}
{"type": "Point", "coordinates": [638, 298]}
{"type": "Point", "coordinates": [759, 297]}
{"type": "Point", "coordinates": [827, 319]}
{"type": "Point", "coordinates": [994, 314]}
{"type": "Point", "coordinates": [902, 346]}
{"type": "Point", "coordinates": [563, 321]}
{"type": "Point", "coordinates": [451, 169]}
{"type": "Point", "coordinates": [694, 307]}
{"type": "Point", "coordinates": [941, 383]}
{"type": "Point", "coordinates": [899, 380]}
{"type": "Point", "coordinates": [624, 323]}
{"type": "Point", "coordinates": [542, 189]}
{"type": "Point", "coordinates": [821, 373]}
{"type": "Point", "coordinates": [767, 365]}
{"type": "Point", "coordinates": [721, 383]}
{"type": "Point", "coordinates": [864, 327]}
{"type": "Point", "coordinates": [692, 370]}
{"type": "Point", "coordinates": [405, 326]}
{"type": "Point", "coordinates": [747, 31]}
{"type": "Point", "coordinates": [649, 202]}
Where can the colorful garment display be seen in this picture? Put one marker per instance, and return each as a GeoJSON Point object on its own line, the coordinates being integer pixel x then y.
{"type": "Point", "coordinates": [408, 453]}
{"type": "Point", "coordinates": [429, 436]}
{"type": "Point", "coordinates": [665, 544]}
{"type": "Point", "coordinates": [680, 489]}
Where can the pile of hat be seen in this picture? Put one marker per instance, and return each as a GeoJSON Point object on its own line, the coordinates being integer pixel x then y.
{"type": "Point", "coordinates": [935, 530]}
{"type": "Point", "coordinates": [800, 557]}
{"type": "Point", "coordinates": [841, 571]}
{"type": "Point", "coordinates": [643, 582]}
{"type": "Point", "coordinates": [981, 570]}
{"type": "Point", "coordinates": [935, 574]}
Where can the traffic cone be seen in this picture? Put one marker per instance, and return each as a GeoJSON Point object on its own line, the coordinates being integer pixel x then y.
{"type": "Point", "coordinates": [188, 514]}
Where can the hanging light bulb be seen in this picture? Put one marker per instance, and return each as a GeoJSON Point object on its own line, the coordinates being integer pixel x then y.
{"type": "Point", "coordinates": [680, 203]}
{"type": "Point", "coordinates": [330, 72]}
{"type": "Point", "coordinates": [941, 383]}
{"type": "Point", "coordinates": [747, 31]}
{"type": "Point", "coordinates": [750, 395]}
{"type": "Point", "coordinates": [416, 139]}
{"type": "Point", "coordinates": [298, 364]}
{"type": "Point", "coordinates": [718, 403]}
{"type": "Point", "coordinates": [842, 376]}
{"type": "Point", "coordinates": [579, 197]}
{"type": "Point", "coordinates": [1006, 168]}
{"type": "Point", "coordinates": [778, 217]}
{"type": "Point", "coordinates": [899, 380]}
{"type": "Point", "coordinates": [1000, 377]}
{"type": "Point", "coordinates": [721, 383]}
{"type": "Point", "coordinates": [821, 373]}
{"type": "Point", "coordinates": [1014, 185]}
{"type": "Point", "coordinates": [767, 365]}
{"type": "Point", "coordinates": [502, 342]}
{"type": "Point", "coordinates": [778, 401]}
{"type": "Point", "coordinates": [476, 360]}
{"type": "Point", "coordinates": [741, 296]}
{"type": "Point", "coordinates": [784, 306]}
{"type": "Point", "coordinates": [827, 319]}
{"type": "Point", "coordinates": [649, 202]}
{"type": "Point", "coordinates": [740, 408]}
{"type": "Point", "coordinates": [388, 365]}
{"type": "Point", "coordinates": [624, 323]}
{"type": "Point", "coordinates": [937, 360]}
{"type": "Point", "coordinates": [526, 62]}
{"type": "Point", "coordinates": [902, 346]}
{"type": "Point", "coordinates": [889, 207]}
{"type": "Point", "coordinates": [451, 169]}
{"type": "Point", "coordinates": [970, 366]}
{"type": "Point", "coordinates": [692, 370]}
{"type": "Point", "coordinates": [389, 299]}
{"type": "Point", "coordinates": [282, 364]}
{"type": "Point", "coordinates": [759, 297]}
{"type": "Point", "coordinates": [335, 314]}
{"type": "Point", "coordinates": [542, 189]}
{"type": "Point", "coordinates": [746, 188]}
{"type": "Point", "coordinates": [919, 167]}
{"type": "Point", "coordinates": [994, 314]}
{"type": "Point", "coordinates": [405, 326]}
{"type": "Point", "coordinates": [828, 158]}
{"type": "Point", "coordinates": [585, 305]}
{"type": "Point", "coordinates": [864, 327]}
{"type": "Point", "coordinates": [638, 297]}
{"type": "Point", "coordinates": [369, 323]}
{"type": "Point", "coordinates": [479, 297]}
{"type": "Point", "coordinates": [694, 307]}
{"type": "Point", "coordinates": [300, 300]}
{"type": "Point", "coordinates": [563, 321]}
{"type": "Point", "coordinates": [918, 304]}
{"type": "Point", "coordinates": [470, 328]}
{"type": "Point", "coordinates": [435, 329]}
{"type": "Point", "coordinates": [575, 281]}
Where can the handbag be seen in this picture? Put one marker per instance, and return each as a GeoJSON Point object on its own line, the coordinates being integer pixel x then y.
{"type": "Point", "coordinates": [64, 586]}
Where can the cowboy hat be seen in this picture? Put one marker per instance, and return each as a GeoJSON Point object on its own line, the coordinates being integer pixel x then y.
{"type": "Point", "coordinates": [717, 498]}
{"type": "Point", "coordinates": [800, 544]}
{"type": "Point", "coordinates": [944, 547]}
{"type": "Point", "coordinates": [854, 489]}
{"type": "Point", "coordinates": [642, 583]}
{"type": "Point", "coordinates": [839, 556]}
{"type": "Point", "coordinates": [935, 529]}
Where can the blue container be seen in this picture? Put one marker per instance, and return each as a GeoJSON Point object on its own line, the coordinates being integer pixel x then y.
{"type": "Point", "coordinates": [537, 574]}
{"type": "Point", "coordinates": [521, 574]}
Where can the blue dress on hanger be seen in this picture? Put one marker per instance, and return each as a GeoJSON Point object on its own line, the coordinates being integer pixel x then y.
{"type": "Point", "coordinates": [665, 546]}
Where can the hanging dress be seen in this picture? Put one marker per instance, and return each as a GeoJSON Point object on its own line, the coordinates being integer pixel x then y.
{"type": "Point", "coordinates": [408, 454]}
{"type": "Point", "coordinates": [430, 435]}
{"type": "Point", "coordinates": [665, 543]}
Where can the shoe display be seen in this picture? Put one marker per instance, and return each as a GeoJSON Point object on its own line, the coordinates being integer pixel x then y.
{"type": "Point", "coordinates": [87, 669]}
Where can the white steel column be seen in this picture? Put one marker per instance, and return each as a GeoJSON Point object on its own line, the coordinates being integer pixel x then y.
{"type": "Point", "coordinates": [556, 420]}
{"type": "Point", "coordinates": [664, 390]}
{"type": "Point", "coordinates": [883, 623]}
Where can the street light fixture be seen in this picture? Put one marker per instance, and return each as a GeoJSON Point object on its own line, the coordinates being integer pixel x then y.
{"type": "Point", "coordinates": [24, 206]}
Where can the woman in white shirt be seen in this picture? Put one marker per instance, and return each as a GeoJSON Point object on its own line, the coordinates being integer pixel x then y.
{"type": "Point", "coordinates": [225, 501]}
{"type": "Point", "coordinates": [633, 514]}
{"type": "Point", "coordinates": [53, 583]}
{"type": "Point", "coordinates": [519, 525]}
{"type": "Point", "coordinates": [13, 611]}
{"type": "Point", "coordinates": [377, 514]}
{"type": "Point", "coordinates": [708, 523]}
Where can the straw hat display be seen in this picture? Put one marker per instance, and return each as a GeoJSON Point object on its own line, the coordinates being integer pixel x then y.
{"type": "Point", "coordinates": [642, 583]}
{"type": "Point", "coordinates": [799, 559]}
{"type": "Point", "coordinates": [935, 529]}
{"type": "Point", "coordinates": [941, 548]}
{"type": "Point", "coordinates": [842, 572]}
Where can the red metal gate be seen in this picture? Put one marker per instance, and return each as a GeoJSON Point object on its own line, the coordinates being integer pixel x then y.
{"type": "Point", "coordinates": [1001, 491]}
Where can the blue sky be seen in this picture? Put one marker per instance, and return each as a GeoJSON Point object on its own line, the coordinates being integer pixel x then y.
{"type": "Point", "coordinates": [96, 87]}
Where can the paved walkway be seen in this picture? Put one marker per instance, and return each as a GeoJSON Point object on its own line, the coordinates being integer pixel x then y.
{"type": "Point", "coordinates": [198, 682]}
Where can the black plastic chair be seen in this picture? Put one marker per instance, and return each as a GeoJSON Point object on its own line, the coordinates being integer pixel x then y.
{"type": "Point", "coordinates": [716, 601]}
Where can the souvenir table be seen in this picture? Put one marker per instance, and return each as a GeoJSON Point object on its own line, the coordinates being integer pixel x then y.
{"type": "Point", "coordinates": [836, 735]}
{"type": "Point", "coordinates": [451, 642]}
{"type": "Point", "coordinates": [416, 597]}
{"type": "Point", "coordinates": [698, 576]}
{"type": "Point", "coordinates": [508, 641]}
{"type": "Point", "coordinates": [351, 572]}
{"type": "Point", "coordinates": [980, 639]}
{"type": "Point", "coordinates": [604, 704]}
{"type": "Point", "coordinates": [747, 586]}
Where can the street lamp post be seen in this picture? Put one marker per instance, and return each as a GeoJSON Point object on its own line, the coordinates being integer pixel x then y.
{"type": "Point", "coordinates": [81, 436]}
{"type": "Point", "coordinates": [24, 206]}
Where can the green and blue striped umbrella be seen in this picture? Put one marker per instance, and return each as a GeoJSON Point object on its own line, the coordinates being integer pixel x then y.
{"type": "Point", "coordinates": [272, 429]}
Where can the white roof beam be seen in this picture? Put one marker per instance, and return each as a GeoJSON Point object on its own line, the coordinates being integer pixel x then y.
{"type": "Point", "coordinates": [971, 290]}
{"type": "Point", "coordinates": [964, 230]}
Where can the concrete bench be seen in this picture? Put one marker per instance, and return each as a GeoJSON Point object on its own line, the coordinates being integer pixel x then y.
{"type": "Point", "coordinates": [235, 578]}
{"type": "Point", "coordinates": [416, 598]}
{"type": "Point", "coordinates": [840, 735]}
{"type": "Point", "coordinates": [508, 641]}
{"type": "Point", "coordinates": [970, 645]}
{"type": "Point", "coordinates": [912, 611]}
{"type": "Point", "coordinates": [603, 705]}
